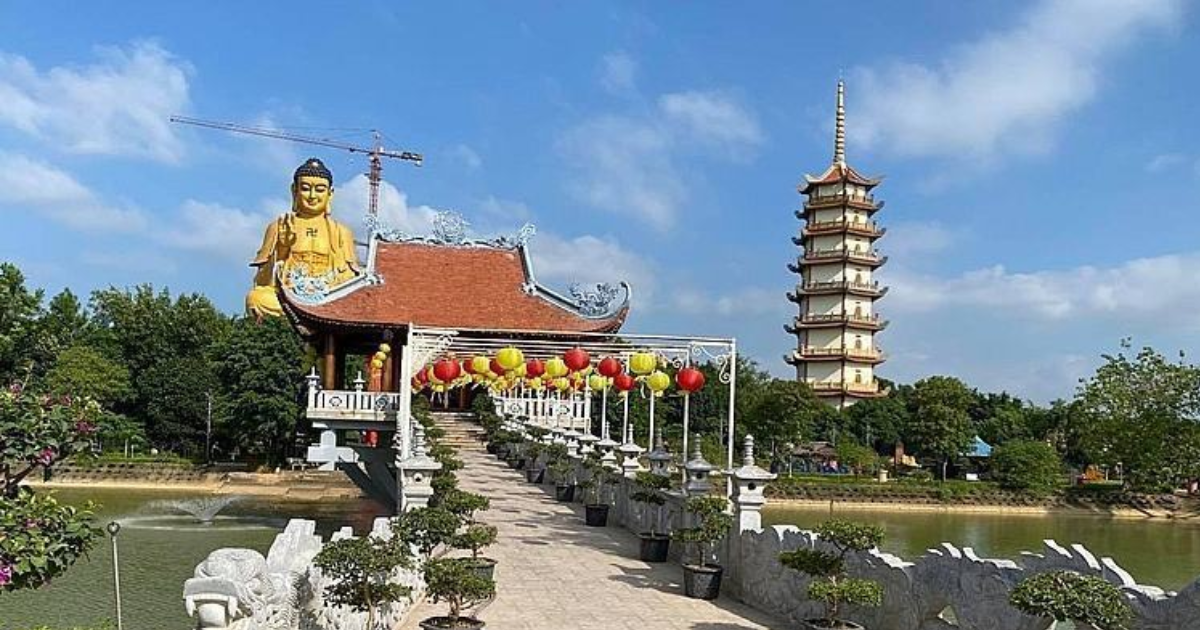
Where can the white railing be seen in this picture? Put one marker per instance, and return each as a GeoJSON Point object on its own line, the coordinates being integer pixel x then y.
{"type": "Point", "coordinates": [336, 404]}
{"type": "Point", "coordinates": [548, 410]}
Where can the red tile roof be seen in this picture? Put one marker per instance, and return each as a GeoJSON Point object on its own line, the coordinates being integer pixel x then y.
{"type": "Point", "coordinates": [838, 172]}
{"type": "Point", "coordinates": [452, 287]}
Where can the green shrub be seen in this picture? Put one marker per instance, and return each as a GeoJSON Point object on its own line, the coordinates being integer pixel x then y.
{"type": "Point", "coordinates": [425, 528]}
{"type": "Point", "coordinates": [454, 581]}
{"type": "Point", "coordinates": [831, 585]}
{"type": "Point", "coordinates": [1069, 596]}
{"type": "Point", "coordinates": [362, 571]}
{"type": "Point", "coordinates": [649, 492]}
{"type": "Point", "coordinates": [1028, 466]}
{"type": "Point", "coordinates": [713, 523]}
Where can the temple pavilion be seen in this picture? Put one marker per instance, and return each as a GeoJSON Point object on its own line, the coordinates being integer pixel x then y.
{"type": "Point", "coordinates": [478, 288]}
{"type": "Point", "coordinates": [835, 329]}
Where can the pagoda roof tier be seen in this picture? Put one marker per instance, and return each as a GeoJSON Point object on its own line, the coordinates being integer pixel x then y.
{"type": "Point", "coordinates": [835, 390]}
{"type": "Point", "coordinates": [826, 256]}
{"type": "Point", "coordinates": [871, 290]}
{"type": "Point", "coordinates": [836, 320]}
{"type": "Point", "coordinates": [486, 285]}
{"type": "Point", "coordinates": [841, 226]}
{"type": "Point", "coordinates": [838, 173]}
{"type": "Point", "coordinates": [852, 355]}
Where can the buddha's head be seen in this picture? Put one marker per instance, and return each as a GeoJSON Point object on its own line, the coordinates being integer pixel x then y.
{"type": "Point", "coordinates": [312, 189]}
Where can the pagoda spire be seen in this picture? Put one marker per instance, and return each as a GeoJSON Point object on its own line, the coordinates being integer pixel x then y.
{"type": "Point", "coordinates": [839, 133]}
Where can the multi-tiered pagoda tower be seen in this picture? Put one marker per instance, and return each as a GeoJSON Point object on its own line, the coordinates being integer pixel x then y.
{"type": "Point", "coordinates": [835, 330]}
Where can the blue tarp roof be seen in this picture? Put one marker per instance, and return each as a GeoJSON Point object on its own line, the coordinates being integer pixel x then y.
{"type": "Point", "coordinates": [980, 448]}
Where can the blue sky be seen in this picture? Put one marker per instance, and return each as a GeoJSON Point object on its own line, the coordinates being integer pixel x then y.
{"type": "Point", "coordinates": [1042, 158]}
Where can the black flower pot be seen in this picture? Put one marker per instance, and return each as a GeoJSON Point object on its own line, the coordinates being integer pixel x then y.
{"type": "Point", "coordinates": [516, 463]}
{"type": "Point", "coordinates": [502, 451]}
{"type": "Point", "coordinates": [534, 475]}
{"type": "Point", "coordinates": [821, 624]}
{"type": "Point", "coordinates": [484, 568]}
{"type": "Point", "coordinates": [702, 582]}
{"type": "Point", "coordinates": [493, 448]}
{"type": "Point", "coordinates": [564, 492]}
{"type": "Point", "coordinates": [654, 547]}
{"type": "Point", "coordinates": [444, 623]}
{"type": "Point", "coordinates": [595, 515]}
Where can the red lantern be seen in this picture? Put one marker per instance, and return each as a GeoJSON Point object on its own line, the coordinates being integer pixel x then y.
{"type": "Point", "coordinates": [609, 367]}
{"type": "Point", "coordinates": [624, 382]}
{"type": "Point", "coordinates": [496, 368]}
{"type": "Point", "coordinates": [422, 377]}
{"type": "Point", "coordinates": [534, 368]}
{"type": "Point", "coordinates": [466, 366]}
{"type": "Point", "coordinates": [447, 370]}
{"type": "Point", "coordinates": [577, 359]}
{"type": "Point", "coordinates": [689, 379]}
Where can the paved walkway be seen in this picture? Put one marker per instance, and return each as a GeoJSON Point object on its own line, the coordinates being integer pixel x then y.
{"type": "Point", "coordinates": [554, 573]}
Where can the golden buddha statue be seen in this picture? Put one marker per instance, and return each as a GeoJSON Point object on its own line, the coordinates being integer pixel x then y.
{"type": "Point", "coordinates": [305, 241]}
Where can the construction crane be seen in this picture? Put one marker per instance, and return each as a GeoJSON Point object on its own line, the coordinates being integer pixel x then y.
{"type": "Point", "coordinates": [374, 153]}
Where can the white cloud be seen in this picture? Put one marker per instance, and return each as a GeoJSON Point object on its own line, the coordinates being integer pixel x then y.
{"type": "Point", "coordinates": [629, 165]}
{"type": "Point", "coordinates": [468, 156]}
{"type": "Point", "coordinates": [906, 239]}
{"type": "Point", "coordinates": [1165, 162]}
{"type": "Point", "coordinates": [510, 213]}
{"type": "Point", "coordinates": [1008, 92]}
{"type": "Point", "coordinates": [712, 118]}
{"type": "Point", "coordinates": [1161, 289]}
{"type": "Point", "coordinates": [34, 185]}
{"type": "Point", "coordinates": [590, 259]}
{"type": "Point", "coordinates": [351, 200]}
{"type": "Point", "coordinates": [618, 73]}
{"type": "Point", "coordinates": [224, 232]}
{"type": "Point", "coordinates": [743, 302]}
{"type": "Point", "coordinates": [119, 105]}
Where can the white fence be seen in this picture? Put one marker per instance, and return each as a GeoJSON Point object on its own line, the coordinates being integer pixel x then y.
{"type": "Point", "coordinates": [572, 411]}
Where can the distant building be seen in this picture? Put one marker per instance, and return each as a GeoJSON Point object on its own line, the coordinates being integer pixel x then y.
{"type": "Point", "coordinates": [835, 330]}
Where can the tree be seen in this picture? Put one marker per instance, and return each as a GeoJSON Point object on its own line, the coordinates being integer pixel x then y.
{"type": "Point", "coordinates": [1027, 465]}
{"type": "Point", "coordinates": [784, 412]}
{"type": "Point", "coordinates": [62, 325]}
{"type": "Point", "coordinates": [939, 425]}
{"type": "Point", "coordinates": [1069, 596]}
{"type": "Point", "coordinates": [877, 421]}
{"type": "Point", "coordinates": [19, 310]}
{"type": "Point", "coordinates": [856, 457]}
{"type": "Point", "coordinates": [261, 370]}
{"type": "Point", "coordinates": [1142, 414]}
{"type": "Point", "coordinates": [176, 408]}
{"type": "Point", "coordinates": [363, 570]}
{"type": "Point", "coordinates": [831, 584]}
{"type": "Point", "coordinates": [39, 538]}
{"type": "Point", "coordinates": [83, 371]}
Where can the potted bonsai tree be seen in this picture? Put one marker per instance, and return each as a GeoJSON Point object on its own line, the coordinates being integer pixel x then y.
{"type": "Point", "coordinates": [595, 509]}
{"type": "Point", "coordinates": [654, 544]}
{"type": "Point", "coordinates": [563, 470]}
{"type": "Point", "coordinates": [362, 570]}
{"type": "Point", "coordinates": [702, 578]}
{"type": "Point", "coordinates": [453, 581]}
{"type": "Point", "coordinates": [534, 470]}
{"type": "Point", "coordinates": [831, 585]}
{"type": "Point", "coordinates": [1092, 603]}
{"type": "Point", "coordinates": [473, 535]}
{"type": "Point", "coordinates": [425, 528]}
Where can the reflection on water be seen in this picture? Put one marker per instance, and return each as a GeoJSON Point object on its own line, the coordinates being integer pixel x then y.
{"type": "Point", "coordinates": [158, 552]}
{"type": "Point", "coordinates": [1155, 551]}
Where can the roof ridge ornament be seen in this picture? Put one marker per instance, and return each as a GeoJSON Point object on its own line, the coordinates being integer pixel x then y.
{"type": "Point", "coordinates": [594, 303]}
{"type": "Point", "coordinates": [839, 132]}
{"type": "Point", "coordinates": [448, 228]}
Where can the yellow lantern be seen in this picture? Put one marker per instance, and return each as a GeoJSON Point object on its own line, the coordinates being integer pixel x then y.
{"type": "Point", "coordinates": [380, 356]}
{"type": "Point", "coordinates": [377, 364]}
{"type": "Point", "coordinates": [536, 384]}
{"type": "Point", "coordinates": [556, 368]}
{"type": "Point", "coordinates": [562, 384]}
{"type": "Point", "coordinates": [385, 348]}
{"type": "Point", "coordinates": [480, 364]}
{"type": "Point", "coordinates": [643, 363]}
{"type": "Point", "coordinates": [520, 371]}
{"type": "Point", "coordinates": [597, 383]}
{"type": "Point", "coordinates": [510, 358]}
{"type": "Point", "coordinates": [658, 382]}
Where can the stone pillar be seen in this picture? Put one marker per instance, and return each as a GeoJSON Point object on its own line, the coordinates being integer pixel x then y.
{"type": "Point", "coordinates": [416, 473]}
{"type": "Point", "coordinates": [329, 362]}
{"type": "Point", "coordinates": [698, 470]}
{"type": "Point", "coordinates": [749, 482]}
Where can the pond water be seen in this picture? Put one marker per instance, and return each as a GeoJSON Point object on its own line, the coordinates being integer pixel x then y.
{"type": "Point", "coordinates": [158, 552]}
{"type": "Point", "coordinates": [1155, 551]}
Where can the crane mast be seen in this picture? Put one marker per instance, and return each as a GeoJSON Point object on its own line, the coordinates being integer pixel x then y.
{"type": "Point", "coordinates": [375, 153]}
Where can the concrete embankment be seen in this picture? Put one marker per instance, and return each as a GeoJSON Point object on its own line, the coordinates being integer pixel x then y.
{"type": "Point", "coordinates": [295, 485]}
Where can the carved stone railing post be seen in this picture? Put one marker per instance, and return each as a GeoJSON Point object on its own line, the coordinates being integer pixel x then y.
{"type": "Point", "coordinates": [416, 473]}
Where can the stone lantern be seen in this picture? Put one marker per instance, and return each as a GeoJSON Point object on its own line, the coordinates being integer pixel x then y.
{"type": "Point", "coordinates": [749, 484]}
{"type": "Point", "coordinates": [660, 457]}
{"type": "Point", "coordinates": [416, 474]}
{"type": "Point", "coordinates": [698, 469]}
{"type": "Point", "coordinates": [587, 443]}
{"type": "Point", "coordinates": [608, 458]}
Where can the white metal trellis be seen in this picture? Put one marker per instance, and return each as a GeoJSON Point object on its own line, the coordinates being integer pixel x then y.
{"type": "Point", "coordinates": [424, 344]}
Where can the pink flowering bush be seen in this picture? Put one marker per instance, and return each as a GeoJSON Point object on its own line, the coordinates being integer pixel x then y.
{"type": "Point", "coordinates": [39, 537]}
